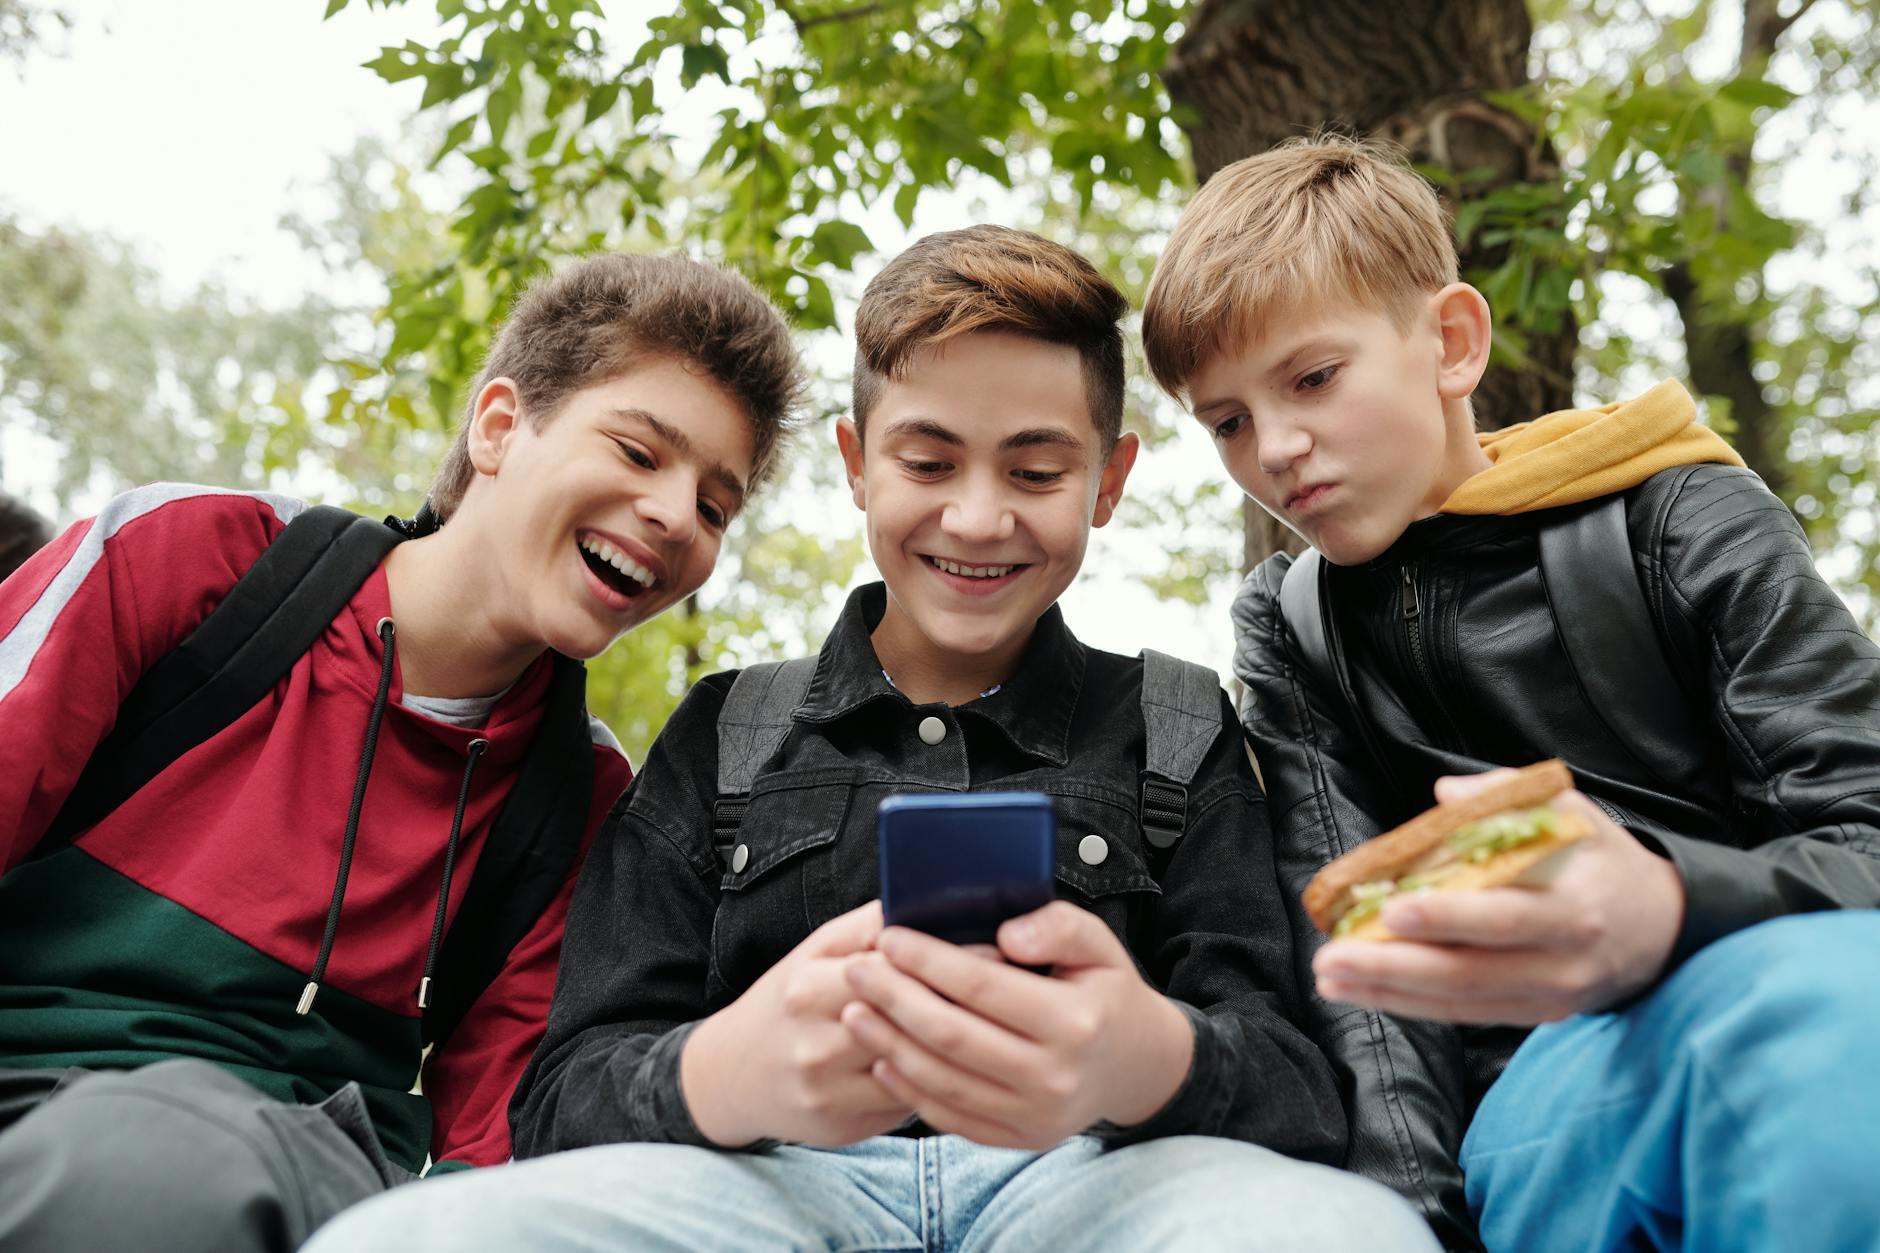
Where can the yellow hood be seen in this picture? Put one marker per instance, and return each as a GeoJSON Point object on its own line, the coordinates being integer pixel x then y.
{"type": "Point", "coordinates": [1582, 454]}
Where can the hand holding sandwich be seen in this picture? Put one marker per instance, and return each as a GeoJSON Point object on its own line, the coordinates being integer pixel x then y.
{"type": "Point", "coordinates": [1443, 918]}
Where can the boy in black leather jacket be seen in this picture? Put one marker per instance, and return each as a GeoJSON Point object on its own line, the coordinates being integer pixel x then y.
{"type": "Point", "coordinates": [1707, 1075]}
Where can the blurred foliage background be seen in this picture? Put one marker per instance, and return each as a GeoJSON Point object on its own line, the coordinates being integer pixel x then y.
{"type": "Point", "coordinates": [1622, 174]}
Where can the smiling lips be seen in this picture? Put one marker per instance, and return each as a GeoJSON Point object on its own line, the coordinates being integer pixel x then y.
{"type": "Point", "coordinates": [974, 580]}
{"type": "Point", "coordinates": [617, 577]}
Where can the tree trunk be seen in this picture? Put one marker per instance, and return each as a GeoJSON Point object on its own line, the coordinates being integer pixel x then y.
{"type": "Point", "coordinates": [1719, 343]}
{"type": "Point", "coordinates": [1251, 73]}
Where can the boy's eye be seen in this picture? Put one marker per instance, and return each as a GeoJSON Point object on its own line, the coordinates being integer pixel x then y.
{"type": "Point", "coordinates": [925, 469]}
{"type": "Point", "coordinates": [1225, 428]}
{"type": "Point", "coordinates": [713, 515]}
{"type": "Point", "coordinates": [1319, 379]}
{"type": "Point", "coordinates": [635, 455]}
{"type": "Point", "coordinates": [1038, 478]}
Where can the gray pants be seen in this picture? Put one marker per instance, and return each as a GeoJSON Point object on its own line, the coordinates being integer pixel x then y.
{"type": "Point", "coordinates": [179, 1156]}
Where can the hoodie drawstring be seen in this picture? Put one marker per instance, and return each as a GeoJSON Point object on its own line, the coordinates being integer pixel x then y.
{"type": "Point", "coordinates": [385, 633]}
{"type": "Point", "coordinates": [477, 748]}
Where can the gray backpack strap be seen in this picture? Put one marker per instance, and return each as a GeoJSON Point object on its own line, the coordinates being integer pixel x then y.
{"type": "Point", "coordinates": [753, 724]}
{"type": "Point", "coordinates": [1181, 717]}
{"type": "Point", "coordinates": [1304, 612]}
{"type": "Point", "coordinates": [1606, 628]}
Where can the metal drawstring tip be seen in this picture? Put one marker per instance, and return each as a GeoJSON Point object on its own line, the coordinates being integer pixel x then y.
{"type": "Point", "coordinates": [306, 997]}
{"type": "Point", "coordinates": [424, 992]}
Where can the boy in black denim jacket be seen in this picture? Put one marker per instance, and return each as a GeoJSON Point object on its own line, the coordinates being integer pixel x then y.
{"type": "Point", "coordinates": [744, 1000]}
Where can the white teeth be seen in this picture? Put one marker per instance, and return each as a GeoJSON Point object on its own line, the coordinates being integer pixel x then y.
{"type": "Point", "coordinates": [618, 560]}
{"type": "Point", "coordinates": [972, 572]}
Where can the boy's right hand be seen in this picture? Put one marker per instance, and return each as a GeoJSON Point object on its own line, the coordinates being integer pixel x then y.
{"type": "Point", "coordinates": [778, 1064]}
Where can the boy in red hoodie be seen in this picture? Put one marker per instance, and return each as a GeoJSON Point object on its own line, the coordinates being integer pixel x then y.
{"type": "Point", "coordinates": [215, 998]}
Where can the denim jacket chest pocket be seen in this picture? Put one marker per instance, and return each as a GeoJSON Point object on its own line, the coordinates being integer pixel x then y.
{"type": "Point", "coordinates": [779, 885]}
{"type": "Point", "coordinates": [1101, 862]}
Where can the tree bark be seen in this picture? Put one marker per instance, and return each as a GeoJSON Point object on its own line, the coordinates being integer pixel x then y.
{"type": "Point", "coordinates": [1251, 73]}
{"type": "Point", "coordinates": [1719, 343]}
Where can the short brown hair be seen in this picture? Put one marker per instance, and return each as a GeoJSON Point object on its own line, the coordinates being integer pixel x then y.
{"type": "Point", "coordinates": [991, 278]}
{"type": "Point", "coordinates": [604, 314]}
{"type": "Point", "coordinates": [1314, 219]}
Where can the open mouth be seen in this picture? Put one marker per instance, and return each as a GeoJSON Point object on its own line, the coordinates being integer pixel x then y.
{"type": "Point", "coordinates": [617, 572]}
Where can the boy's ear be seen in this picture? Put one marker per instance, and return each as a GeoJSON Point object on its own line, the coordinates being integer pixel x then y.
{"type": "Point", "coordinates": [1466, 327]}
{"type": "Point", "coordinates": [497, 414]}
{"type": "Point", "coordinates": [1115, 474]}
{"type": "Point", "coordinates": [849, 440]}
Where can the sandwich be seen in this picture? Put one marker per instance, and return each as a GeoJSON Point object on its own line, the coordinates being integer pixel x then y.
{"type": "Point", "coordinates": [1506, 834]}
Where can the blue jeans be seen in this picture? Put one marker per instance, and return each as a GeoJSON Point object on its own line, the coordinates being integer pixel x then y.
{"type": "Point", "coordinates": [1735, 1107]}
{"type": "Point", "coordinates": [941, 1193]}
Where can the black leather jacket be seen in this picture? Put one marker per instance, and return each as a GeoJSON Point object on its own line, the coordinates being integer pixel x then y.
{"type": "Point", "coordinates": [1779, 810]}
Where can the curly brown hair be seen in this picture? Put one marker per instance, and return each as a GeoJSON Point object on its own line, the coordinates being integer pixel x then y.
{"type": "Point", "coordinates": [604, 314]}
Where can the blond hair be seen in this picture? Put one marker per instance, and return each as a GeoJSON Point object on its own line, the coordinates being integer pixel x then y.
{"type": "Point", "coordinates": [991, 278]}
{"type": "Point", "coordinates": [1313, 220]}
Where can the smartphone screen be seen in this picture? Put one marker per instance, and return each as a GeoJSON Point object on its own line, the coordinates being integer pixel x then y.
{"type": "Point", "coordinates": [956, 865]}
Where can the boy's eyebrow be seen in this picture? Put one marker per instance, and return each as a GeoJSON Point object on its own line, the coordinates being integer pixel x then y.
{"type": "Point", "coordinates": [682, 443]}
{"type": "Point", "coordinates": [923, 428]}
{"type": "Point", "coordinates": [1316, 344]}
{"type": "Point", "coordinates": [1042, 436]}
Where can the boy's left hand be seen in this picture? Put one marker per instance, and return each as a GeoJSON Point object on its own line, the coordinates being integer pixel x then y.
{"type": "Point", "coordinates": [1601, 931]}
{"type": "Point", "coordinates": [1010, 1058]}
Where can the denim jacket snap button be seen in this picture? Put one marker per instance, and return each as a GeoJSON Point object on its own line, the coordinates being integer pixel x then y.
{"type": "Point", "coordinates": [1093, 849]}
{"type": "Point", "coordinates": [740, 858]}
{"type": "Point", "coordinates": [932, 730]}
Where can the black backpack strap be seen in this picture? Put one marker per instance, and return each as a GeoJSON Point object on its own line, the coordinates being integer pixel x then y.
{"type": "Point", "coordinates": [268, 620]}
{"type": "Point", "coordinates": [1181, 718]}
{"type": "Point", "coordinates": [1606, 629]}
{"type": "Point", "coordinates": [1304, 605]}
{"type": "Point", "coordinates": [755, 720]}
{"type": "Point", "coordinates": [531, 850]}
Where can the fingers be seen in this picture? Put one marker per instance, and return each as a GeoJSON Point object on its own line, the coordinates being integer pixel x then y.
{"type": "Point", "coordinates": [1015, 999]}
{"type": "Point", "coordinates": [853, 932]}
{"type": "Point", "coordinates": [1456, 787]}
{"type": "Point", "coordinates": [1453, 984]}
{"type": "Point", "coordinates": [952, 1031]}
{"type": "Point", "coordinates": [936, 1079]}
{"type": "Point", "coordinates": [1061, 934]}
{"type": "Point", "coordinates": [1495, 918]}
{"type": "Point", "coordinates": [944, 1118]}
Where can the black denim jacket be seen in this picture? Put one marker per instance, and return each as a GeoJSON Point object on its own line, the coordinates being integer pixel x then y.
{"type": "Point", "coordinates": [661, 934]}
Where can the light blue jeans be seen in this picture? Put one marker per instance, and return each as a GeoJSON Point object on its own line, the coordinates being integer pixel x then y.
{"type": "Point", "coordinates": [1735, 1107]}
{"type": "Point", "coordinates": [940, 1194]}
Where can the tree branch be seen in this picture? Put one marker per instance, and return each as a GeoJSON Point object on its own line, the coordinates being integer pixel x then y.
{"type": "Point", "coordinates": [805, 23]}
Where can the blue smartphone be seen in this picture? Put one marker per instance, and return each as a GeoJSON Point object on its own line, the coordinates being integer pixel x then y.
{"type": "Point", "coordinates": [957, 864]}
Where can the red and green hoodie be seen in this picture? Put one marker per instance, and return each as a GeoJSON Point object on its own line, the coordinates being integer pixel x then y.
{"type": "Point", "coordinates": [186, 922]}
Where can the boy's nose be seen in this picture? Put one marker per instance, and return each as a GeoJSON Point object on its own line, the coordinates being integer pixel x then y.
{"type": "Point", "coordinates": [669, 508]}
{"type": "Point", "coordinates": [977, 516]}
{"type": "Point", "coordinates": [1280, 445]}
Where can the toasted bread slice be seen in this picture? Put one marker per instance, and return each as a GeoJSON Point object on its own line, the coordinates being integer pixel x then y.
{"type": "Point", "coordinates": [1389, 855]}
{"type": "Point", "coordinates": [1530, 863]}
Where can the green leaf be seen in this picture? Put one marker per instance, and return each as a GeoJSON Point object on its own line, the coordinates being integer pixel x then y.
{"type": "Point", "coordinates": [839, 243]}
{"type": "Point", "coordinates": [1756, 93]}
{"type": "Point", "coordinates": [600, 102]}
{"type": "Point", "coordinates": [904, 201]}
{"type": "Point", "coordinates": [698, 60]}
{"type": "Point", "coordinates": [454, 138]}
{"type": "Point", "coordinates": [332, 7]}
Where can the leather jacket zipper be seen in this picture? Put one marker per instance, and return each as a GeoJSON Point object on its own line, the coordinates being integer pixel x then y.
{"type": "Point", "coordinates": [1413, 622]}
{"type": "Point", "coordinates": [1412, 604]}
